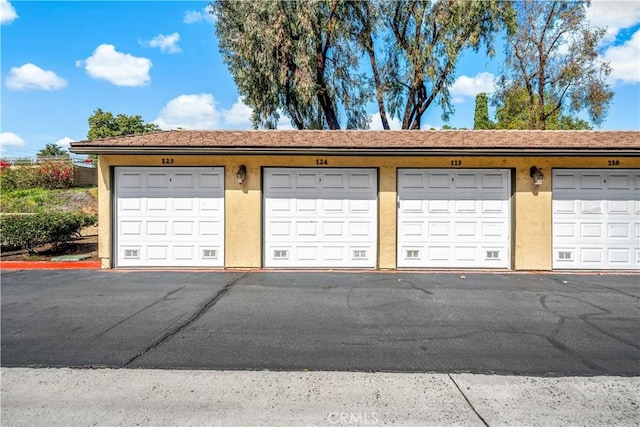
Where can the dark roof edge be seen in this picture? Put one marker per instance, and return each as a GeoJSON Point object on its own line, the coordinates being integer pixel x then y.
{"type": "Point", "coordinates": [347, 151]}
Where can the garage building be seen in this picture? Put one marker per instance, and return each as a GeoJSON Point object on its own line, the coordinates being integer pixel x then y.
{"type": "Point", "coordinates": [508, 200]}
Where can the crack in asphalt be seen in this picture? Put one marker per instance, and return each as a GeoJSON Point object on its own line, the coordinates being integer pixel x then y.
{"type": "Point", "coordinates": [197, 315]}
{"type": "Point", "coordinates": [414, 286]}
{"type": "Point", "coordinates": [579, 283]}
{"type": "Point", "coordinates": [586, 318]}
{"type": "Point", "coordinates": [164, 298]}
{"type": "Point", "coordinates": [561, 346]}
{"type": "Point", "coordinates": [468, 401]}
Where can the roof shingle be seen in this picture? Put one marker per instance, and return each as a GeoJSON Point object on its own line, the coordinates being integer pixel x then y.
{"type": "Point", "coordinates": [189, 140]}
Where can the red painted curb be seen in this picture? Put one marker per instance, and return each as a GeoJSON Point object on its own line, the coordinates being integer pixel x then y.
{"type": "Point", "coordinates": [49, 265]}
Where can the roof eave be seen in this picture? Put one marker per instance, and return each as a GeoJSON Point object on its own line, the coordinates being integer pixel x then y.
{"type": "Point", "coordinates": [348, 151]}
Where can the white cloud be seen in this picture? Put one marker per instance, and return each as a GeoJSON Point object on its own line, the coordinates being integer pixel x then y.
{"type": "Point", "coordinates": [197, 16]}
{"type": "Point", "coordinates": [625, 60]}
{"type": "Point", "coordinates": [615, 15]}
{"type": "Point", "coordinates": [32, 77]}
{"type": "Point", "coordinates": [167, 44]}
{"type": "Point", "coordinates": [7, 12]}
{"type": "Point", "coordinates": [376, 122]}
{"type": "Point", "coordinates": [10, 139]}
{"type": "Point", "coordinates": [239, 114]}
{"type": "Point", "coordinates": [285, 123]}
{"type": "Point", "coordinates": [466, 86]}
{"type": "Point", "coordinates": [65, 142]}
{"type": "Point", "coordinates": [200, 111]}
{"type": "Point", "coordinates": [394, 123]}
{"type": "Point", "coordinates": [190, 112]}
{"type": "Point", "coordinates": [121, 69]}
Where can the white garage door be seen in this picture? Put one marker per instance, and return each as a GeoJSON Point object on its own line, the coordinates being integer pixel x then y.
{"type": "Point", "coordinates": [454, 218]}
{"type": "Point", "coordinates": [169, 217]}
{"type": "Point", "coordinates": [596, 219]}
{"type": "Point", "coordinates": [320, 217]}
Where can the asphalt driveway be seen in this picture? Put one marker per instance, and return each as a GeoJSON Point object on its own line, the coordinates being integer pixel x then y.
{"type": "Point", "coordinates": [541, 324]}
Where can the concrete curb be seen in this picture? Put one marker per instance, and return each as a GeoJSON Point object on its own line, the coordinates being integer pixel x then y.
{"type": "Point", "coordinates": [68, 397]}
{"type": "Point", "coordinates": [49, 265]}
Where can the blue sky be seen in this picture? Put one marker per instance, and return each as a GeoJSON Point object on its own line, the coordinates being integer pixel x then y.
{"type": "Point", "coordinates": [158, 59]}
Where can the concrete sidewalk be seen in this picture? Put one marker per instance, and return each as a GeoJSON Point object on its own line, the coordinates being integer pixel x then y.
{"type": "Point", "coordinates": [79, 397]}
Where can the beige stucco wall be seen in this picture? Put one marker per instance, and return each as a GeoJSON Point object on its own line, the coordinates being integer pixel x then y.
{"type": "Point", "coordinates": [531, 205]}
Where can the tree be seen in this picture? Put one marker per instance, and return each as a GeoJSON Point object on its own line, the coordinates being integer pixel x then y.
{"type": "Point", "coordinates": [552, 68]}
{"type": "Point", "coordinates": [52, 151]}
{"type": "Point", "coordinates": [104, 125]}
{"type": "Point", "coordinates": [428, 38]}
{"type": "Point", "coordinates": [366, 19]}
{"type": "Point", "coordinates": [514, 113]}
{"type": "Point", "coordinates": [481, 116]}
{"type": "Point", "coordinates": [303, 57]}
{"type": "Point", "coordinates": [293, 57]}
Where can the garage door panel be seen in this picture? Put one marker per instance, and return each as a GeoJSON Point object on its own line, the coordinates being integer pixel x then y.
{"type": "Point", "coordinates": [361, 206]}
{"type": "Point", "coordinates": [156, 205]}
{"type": "Point", "coordinates": [416, 206]}
{"type": "Point", "coordinates": [157, 228]}
{"type": "Point", "coordinates": [131, 228]}
{"type": "Point", "coordinates": [313, 217]}
{"type": "Point", "coordinates": [438, 180]}
{"type": "Point", "coordinates": [185, 229]}
{"type": "Point", "coordinates": [334, 206]}
{"type": "Point", "coordinates": [157, 180]}
{"type": "Point", "coordinates": [620, 256]}
{"type": "Point", "coordinates": [436, 229]}
{"type": "Point", "coordinates": [183, 180]}
{"type": "Point", "coordinates": [361, 181]}
{"type": "Point", "coordinates": [496, 230]}
{"type": "Point", "coordinates": [210, 181]}
{"type": "Point", "coordinates": [466, 181]}
{"type": "Point", "coordinates": [183, 205]}
{"type": "Point", "coordinates": [565, 230]}
{"type": "Point", "coordinates": [591, 207]}
{"type": "Point", "coordinates": [619, 182]}
{"type": "Point", "coordinates": [565, 206]}
{"type": "Point", "coordinates": [591, 182]}
{"type": "Point", "coordinates": [601, 231]}
{"type": "Point", "coordinates": [620, 207]}
{"type": "Point", "coordinates": [619, 231]}
{"type": "Point", "coordinates": [306, 230]}
{"type": "Point", "coordinates": [460, 218]}
{"type": "Point", "coordinates": [495, 207]}
{"type": "Point", "coordinates": [130, 180]}
{"type": "Point", "coordinates": [492, 181]}
{"type": "Point", "coordinates": [334, 180]}
{"type": "Point", "coordinates": [210, 205]}
{"type": "Point", "coordinates": [131, 205]}
{"type": "Point", "coordinates": [467, 207]}
{"type": "Point", "coordinates": [169, 218]}
{"type": "Point", "coordinates": [439, 206]}
{"type": "Point", "coordinates": [466, 229]}
{"type": "Point", "coordinates": [307, 181]}
{"type": "Point", "coordinates": [208, 229]}
{"type": "Point", "coordinates": [307, 206]}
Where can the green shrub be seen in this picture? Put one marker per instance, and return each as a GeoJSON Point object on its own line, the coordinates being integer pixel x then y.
{"type": "Point", "coordinates": [30, 231]}
{"type": "Point", "coordinates": [50, 174]}
{"type": "Point", "coordinates": [19, 178]}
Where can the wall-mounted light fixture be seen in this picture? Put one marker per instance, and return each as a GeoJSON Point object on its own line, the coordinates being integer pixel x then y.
{"type": "Point", "coordinates": [241, 174]}
{"type": "Point", "coordinates": [537, 175]}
